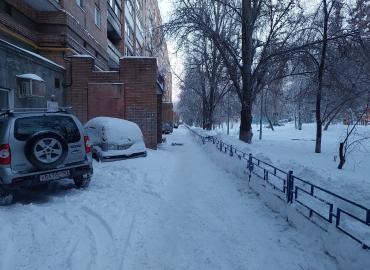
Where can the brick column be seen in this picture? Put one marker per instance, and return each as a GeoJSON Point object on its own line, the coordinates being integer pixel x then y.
{"type": "Point", "coordinates": [139, 76]}
{"type": "Point", "coordinates": [76, 93]}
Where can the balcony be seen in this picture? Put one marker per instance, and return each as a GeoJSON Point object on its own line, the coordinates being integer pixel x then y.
{"type": "Point", "coordinates": [43, 5]}
{"type": "Point", "coordinates": [114, 25]}
{"type": "Point", "coordinates": [114, 55]}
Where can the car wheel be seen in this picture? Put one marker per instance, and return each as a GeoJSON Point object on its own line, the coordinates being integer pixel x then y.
{"type": "Point", "coordinates": [81, 181]}
{"type": "Point", "coordinates": [96, 157]}
{"type": "Point", "coordinates": [6, 198]}
{"type": "Point", "coordinates": [46, 150]}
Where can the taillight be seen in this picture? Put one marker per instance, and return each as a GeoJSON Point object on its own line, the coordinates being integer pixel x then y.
{"type": "Point", "coordinates": [87, 144]}
{"type": "Point", "coordinates": [5, 157]}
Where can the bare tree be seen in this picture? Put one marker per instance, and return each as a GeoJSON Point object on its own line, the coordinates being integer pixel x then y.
{"type": "Point", "coordinates": [246, 33]}
{"type": "Point", "coordinates": [350, 141]}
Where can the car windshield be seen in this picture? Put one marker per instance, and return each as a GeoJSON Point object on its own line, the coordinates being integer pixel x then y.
{"type": "Point", "coordinates": [63, 125]}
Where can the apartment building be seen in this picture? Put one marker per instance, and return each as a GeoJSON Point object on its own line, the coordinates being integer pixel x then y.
{"type": "Point", "coordinates": [102, 57]}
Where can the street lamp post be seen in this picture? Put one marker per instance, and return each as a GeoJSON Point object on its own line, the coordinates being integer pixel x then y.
{"type": "Point", "coordinates": [261, 109]}
{"type": "Point", "coordinates": [228, 113]}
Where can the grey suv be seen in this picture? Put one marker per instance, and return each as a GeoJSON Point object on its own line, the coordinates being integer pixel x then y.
{"type": "Point", "coordinates": [39, 146]}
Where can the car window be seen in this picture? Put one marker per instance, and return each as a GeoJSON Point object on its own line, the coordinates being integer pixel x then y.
{"type": "Point", "coordinates": [63, 125]}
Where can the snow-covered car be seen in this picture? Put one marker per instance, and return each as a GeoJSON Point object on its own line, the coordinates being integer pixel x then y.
{"type": "Point", "coordinates": [167, 128]}
{"type": "Point", "coordinates": [113, 139]}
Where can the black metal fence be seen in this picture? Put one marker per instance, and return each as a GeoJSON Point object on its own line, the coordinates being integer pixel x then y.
{"type": "Point", "coordinates": [317, 204]}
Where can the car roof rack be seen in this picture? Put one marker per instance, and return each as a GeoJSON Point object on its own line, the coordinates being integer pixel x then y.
{"type": "Point", "coordinates": [35, 110]}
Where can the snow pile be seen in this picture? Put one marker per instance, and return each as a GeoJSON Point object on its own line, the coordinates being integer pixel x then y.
{"type": "Point", "coordinates": [291, 149]}
{"type": "Point", "coordinates": [348, 253]}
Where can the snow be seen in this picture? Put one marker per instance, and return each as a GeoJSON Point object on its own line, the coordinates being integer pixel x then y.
{"type": "Point", "coordinates": [291, 149]}
{"type": "Point", "coordinates": [33, 54]}
{"type": "Point", "coordinates": [174, 209]}
{"type": "Point", "coordinates": [138, 57]}
{"type": "Point", "coordinates": [348, 253]}
{"type": "Point", "coordinates": [81, 56]}
{"type": "Point", "coordinates": [117, 131]}
{"type": "Point", "coordinates": [30, 76]}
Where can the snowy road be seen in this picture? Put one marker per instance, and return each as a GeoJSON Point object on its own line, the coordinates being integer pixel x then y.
{"type": "Point", "coordinates": [174, 209]}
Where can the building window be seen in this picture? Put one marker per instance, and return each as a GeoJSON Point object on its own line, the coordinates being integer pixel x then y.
{"type": "Point", "coordinates": [79, 3]}
{"type": "Point", "coordinates": [97, 16]}
{"type": "Point", "coordinates": [4, 99]}
{"type": "Point", "coordinates": [30, 88]}
{"type": "Point", "coordinates": [56, 83]}
{"type": "Point", "coordinates": [30, 85]}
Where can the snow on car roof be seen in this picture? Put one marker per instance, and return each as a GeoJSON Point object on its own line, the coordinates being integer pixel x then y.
{"type": "Point", "coordinates": [117, 129]}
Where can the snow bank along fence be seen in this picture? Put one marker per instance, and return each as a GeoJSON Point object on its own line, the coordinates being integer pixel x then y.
{"type": "Point", "coordinates": [317, 204]}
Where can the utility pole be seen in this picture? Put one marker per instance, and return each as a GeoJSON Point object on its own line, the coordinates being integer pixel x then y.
{"type": "Point", "coordinates": [261, 114]}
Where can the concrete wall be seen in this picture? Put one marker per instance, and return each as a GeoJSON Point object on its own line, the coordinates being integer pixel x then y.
{"type": "Point", "coordinates": [14, 61]}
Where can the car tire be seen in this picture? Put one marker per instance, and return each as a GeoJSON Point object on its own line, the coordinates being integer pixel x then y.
{"type": "Point", "coordinates": [81, 181]}
{"type": "Point", "coordinates": [96, 157]}
{"type": "Point", "coordinates": [6, 198]}
{"type": "Point", "coordinates": [36, 145]}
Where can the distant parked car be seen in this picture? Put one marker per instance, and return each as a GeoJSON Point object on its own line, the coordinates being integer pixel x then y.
{"type": "Point", "coordinates": [37, 146]}
{"type": "Point", "coordinates": [167, 128]}
{"type": "Point", "coordinates": [114, 139]}
{"type": "Point", "coordinates": [176, 125]}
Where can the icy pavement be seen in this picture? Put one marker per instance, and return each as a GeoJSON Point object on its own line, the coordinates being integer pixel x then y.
{"type": "Point", "coordinates": [174, 209]}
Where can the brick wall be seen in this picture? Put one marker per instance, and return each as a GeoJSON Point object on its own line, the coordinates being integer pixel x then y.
{"type": "Point", "coordinates": [136, 79]}
{"type": "Point", "coordinates": [167, 112]}
{"type": "Point", "coordinates": [73, 29]}
{"type": "Point", "coordinates": [86, 18]}
{"type": "Point", "coordinates": [139, 76]}
{"type": "Point", "coordinates": [159, 117]}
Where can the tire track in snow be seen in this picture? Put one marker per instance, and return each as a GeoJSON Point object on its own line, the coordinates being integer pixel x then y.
{"type": "Point", "coordinates": [127, 243]}
{"type": "Point", "coordinates": [101, 220]}
{"type": "Point", "coordinates": [101, 235]}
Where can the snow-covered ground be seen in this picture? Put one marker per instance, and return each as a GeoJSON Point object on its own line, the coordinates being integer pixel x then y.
{"type": "Point", "coordinates": [291, 149]}
{"type": "Point", "coordinates": [174, 209]}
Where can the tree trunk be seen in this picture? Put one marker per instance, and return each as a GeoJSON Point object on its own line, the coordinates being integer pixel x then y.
{"type": "Point", "coordinates": [209, 121]}
{"type": "Point", "coordinates": [295, 122]}
{"type": "Point", "coordinates": [246, 124]}
{"type": "Point", "coordinates": [320, 79]}
{"type": "Point", "coordinates": [267, 116]}
{"type": "Point", "coordinates": [245, 133]}
{"type": "Point", "coordinates": [342, 156]}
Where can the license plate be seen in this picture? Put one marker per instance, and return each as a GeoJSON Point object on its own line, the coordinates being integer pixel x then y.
{"type": "Point", "coordinates": [54, 176]}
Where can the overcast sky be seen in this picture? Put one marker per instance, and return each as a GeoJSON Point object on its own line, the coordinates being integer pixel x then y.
{"type": "Point", "coordinates": [165, 7]}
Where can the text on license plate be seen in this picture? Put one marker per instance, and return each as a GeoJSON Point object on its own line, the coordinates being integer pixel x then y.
{"type": "Point", "coordinates": [54, 176]}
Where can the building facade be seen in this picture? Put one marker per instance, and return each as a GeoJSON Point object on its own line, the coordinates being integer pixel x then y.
{"type": "Point", "coordinates": [86, 54]}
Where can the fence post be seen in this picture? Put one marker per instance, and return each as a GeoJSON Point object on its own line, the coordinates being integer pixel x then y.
{"type": "Point", "coordinates": [250, 166]}
{"type": "Point", "coordinates": [290, 186]}
{"type": "Point", "coordinates": [337, 222]}
{"type": "Point", "coordinates": [331, 213]}
{"type": "Point", "coordinates": [231, 151]}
